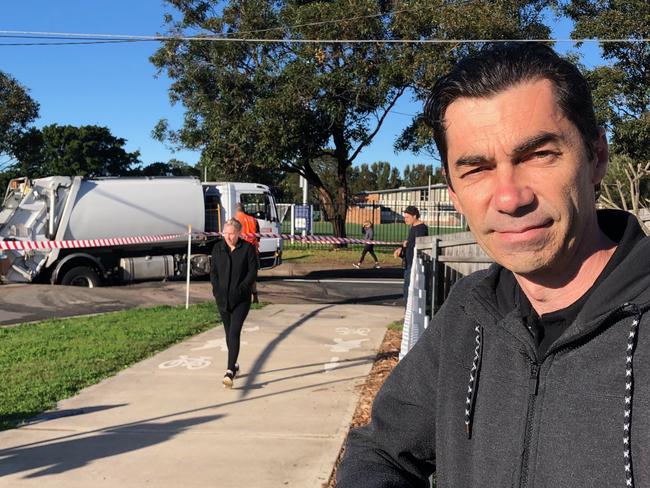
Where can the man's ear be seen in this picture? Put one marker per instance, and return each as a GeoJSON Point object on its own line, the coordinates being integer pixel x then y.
{"type": "Point", "coordinates": [600, 157]}
{"type": "Point", "coordinates": [452, 193]}
{"type": "Point", "coordinates": [454, 199]}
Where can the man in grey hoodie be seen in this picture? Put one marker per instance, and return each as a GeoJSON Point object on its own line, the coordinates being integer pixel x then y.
{"type": "Point", "coordinates": [536, 372]}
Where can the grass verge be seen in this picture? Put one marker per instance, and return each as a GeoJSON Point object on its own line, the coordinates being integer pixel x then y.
{"type": "Point", "coordinates": [338, 256]}
{"type": "Point", "coordinates": [397, 325]}
{"type": "Point", "coordinates": [44, 362]}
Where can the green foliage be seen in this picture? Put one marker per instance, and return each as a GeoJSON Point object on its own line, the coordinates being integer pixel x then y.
{"type": "Point", "coordinates": [622, 88]}
{"type": "Point", "coordinates": [418, 175]}
{"type": "Point", "coordinates": [17, 111]}
{"type": "Point", "coordinates": [397, 325]}
{"type": "Point", "coordinates": [88, 150]}
{"type": "Point", "coordinates": [44, 362]}
{"type": "Point", "coordinates": [173, 167]}
{"type": "Point", "coordinates": [261, 107]}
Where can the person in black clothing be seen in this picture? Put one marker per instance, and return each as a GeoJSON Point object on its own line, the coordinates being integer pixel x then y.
{"type": "Point", "coordinates": [233, 272]}
{"type": "Point", "coordinates": [418, 229]}
{"type": "Point", "coordinates": [368, 235]}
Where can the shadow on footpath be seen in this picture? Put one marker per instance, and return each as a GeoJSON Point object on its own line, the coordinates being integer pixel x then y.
{"type": "Point", "coordinates": [271, 346]}
{"type": "Point", "coordinates": [76, 450]}
{"type": "Point", "coordinates": [340, 365]}
{"type": "Point", "coordinates": [33, 418]}
{"type": "Point", "coordinates": [59, 456]}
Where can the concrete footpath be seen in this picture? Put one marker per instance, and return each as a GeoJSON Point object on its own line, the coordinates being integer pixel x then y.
{"type": "Point", "coordinates": [168, 422]}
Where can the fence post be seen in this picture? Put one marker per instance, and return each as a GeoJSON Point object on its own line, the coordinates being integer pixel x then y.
{"type": "Point", "coordinates": [293, 224]}
{"type": "Point", "coordinates": [435, 279]}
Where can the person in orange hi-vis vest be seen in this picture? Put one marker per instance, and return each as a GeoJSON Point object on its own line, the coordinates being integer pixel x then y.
{"type": "Point", "coordinates": [250, 230]}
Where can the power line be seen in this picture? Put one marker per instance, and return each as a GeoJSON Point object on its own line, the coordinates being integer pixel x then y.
{"type": "Point", "coordinates": [66, 43]}
{"type": "Point", "coordinates": [99, 38]}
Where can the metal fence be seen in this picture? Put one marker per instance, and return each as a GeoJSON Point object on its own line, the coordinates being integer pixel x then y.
{"type": "Point", "coordinates": [388, 223]}
{"type": "Point", "coordinates": [440, 262]}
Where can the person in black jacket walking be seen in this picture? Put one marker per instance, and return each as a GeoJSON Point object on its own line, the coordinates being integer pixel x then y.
{"type": "Point", "coordinates": [233, 272]}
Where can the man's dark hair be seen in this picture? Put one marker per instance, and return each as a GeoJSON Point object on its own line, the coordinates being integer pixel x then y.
{"type": "Point", "coordinates": [412, 210]}
{"type": "Point", "coordinates": [499, 66]}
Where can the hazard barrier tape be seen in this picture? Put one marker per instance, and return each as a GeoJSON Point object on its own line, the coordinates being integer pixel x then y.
{"type": "Point", "coordinates": [121, 241]}
{"type": "Point", "coordinates": [84, 243]}
{"type": "Point", "coordinates": [311, 239]}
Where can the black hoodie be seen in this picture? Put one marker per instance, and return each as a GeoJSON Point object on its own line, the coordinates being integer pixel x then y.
{"type": "Point", "coordinates": [475, 403]}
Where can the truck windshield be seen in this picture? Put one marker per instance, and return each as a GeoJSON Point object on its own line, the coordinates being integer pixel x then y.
{"type": "Point", "coordinates": [259, 205]}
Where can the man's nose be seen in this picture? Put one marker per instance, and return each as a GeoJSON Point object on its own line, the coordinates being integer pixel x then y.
{"type": "Point", "coordinates": [511, 191]}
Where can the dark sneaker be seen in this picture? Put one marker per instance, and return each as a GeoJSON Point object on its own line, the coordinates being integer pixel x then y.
{"type": "Point", "coordinates": [356, 265]}
{"type": "Point", "coordinates": [227, 379]}
{"type": "Point", "coordinates": [236, 369]}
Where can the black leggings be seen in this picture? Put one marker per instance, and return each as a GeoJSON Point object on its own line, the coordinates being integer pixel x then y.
{"type": "Point", "coordinates": [233, 321]}
{"type": "Point", "coordinates": [368, 249]}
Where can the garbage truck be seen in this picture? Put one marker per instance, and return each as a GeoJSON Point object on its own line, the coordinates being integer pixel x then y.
{"type": "Point", "coordinates": [63, 208]}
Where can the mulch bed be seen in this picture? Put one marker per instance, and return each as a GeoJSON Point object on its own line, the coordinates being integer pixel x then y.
{"type": "Point", "coordinates": [385, 361]}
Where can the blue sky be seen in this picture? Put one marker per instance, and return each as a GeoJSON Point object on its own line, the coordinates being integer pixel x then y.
{"type": "Point", "coordinates": [114, 85]}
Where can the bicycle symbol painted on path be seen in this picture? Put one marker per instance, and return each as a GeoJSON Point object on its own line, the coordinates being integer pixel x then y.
{"type": "Point", "coordinates": [187, 362]}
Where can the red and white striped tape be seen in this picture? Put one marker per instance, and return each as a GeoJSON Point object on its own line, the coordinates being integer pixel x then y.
{"type": "Point", "coordinates": [83, 243]}
{"type": "Point", "coordinates": [121, 241]}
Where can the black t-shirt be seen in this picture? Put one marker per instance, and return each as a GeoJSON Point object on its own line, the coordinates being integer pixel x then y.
{"type": "Point", "coordinates": [550, 326]}
{"type": "Point", "coordinates": [418, 230]}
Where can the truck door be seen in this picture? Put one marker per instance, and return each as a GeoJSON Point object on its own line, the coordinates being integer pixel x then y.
{"type": "Point", "coordinates": [261, 205]}
{"type": "Point", "coordinates": [214, 217]}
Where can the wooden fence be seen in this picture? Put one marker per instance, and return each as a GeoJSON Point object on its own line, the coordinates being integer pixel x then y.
{"type": "Point", "coordinates": [447, 259]}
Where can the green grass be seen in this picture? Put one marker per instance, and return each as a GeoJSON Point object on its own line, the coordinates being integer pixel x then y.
{"type": "Point", "coordinates": [397, 325]}
{"type": "Point", "coordinates": [44, 362]}
{"type": "Point", "coordinates": [346, 256]}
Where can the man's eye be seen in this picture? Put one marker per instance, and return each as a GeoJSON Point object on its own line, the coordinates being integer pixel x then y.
{"type": "Point", "coordinates": [544, 154]}
{"type": "Point", "coordinates": [474, 171]}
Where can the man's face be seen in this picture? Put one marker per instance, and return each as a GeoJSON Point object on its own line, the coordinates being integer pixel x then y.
{"type": "Point", "coordinates": [522, 176]}
{"type": "Point", "coordinates": [408, 218]}
{"type": "Point", "coordinates": [230, 234]}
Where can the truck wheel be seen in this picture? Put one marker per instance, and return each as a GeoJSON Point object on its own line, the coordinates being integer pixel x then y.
{"type": "Point", "coordinates": [81, 276]}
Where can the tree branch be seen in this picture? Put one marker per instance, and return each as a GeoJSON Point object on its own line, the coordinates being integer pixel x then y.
{"type": "Point", "coordinates": [379, 124]}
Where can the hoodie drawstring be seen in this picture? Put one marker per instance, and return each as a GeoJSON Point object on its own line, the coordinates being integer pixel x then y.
{"type": "Point", "coordinates": [629, 390]}
{"type": "Point", "coordinates": [473, 381]}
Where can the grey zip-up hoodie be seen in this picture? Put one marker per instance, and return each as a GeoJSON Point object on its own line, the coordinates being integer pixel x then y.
{"type": "Point", "coordinates": [473, 402]}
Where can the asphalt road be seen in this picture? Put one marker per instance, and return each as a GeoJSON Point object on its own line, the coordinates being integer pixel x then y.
{"type": "Point", "coordinates": [27, 303]}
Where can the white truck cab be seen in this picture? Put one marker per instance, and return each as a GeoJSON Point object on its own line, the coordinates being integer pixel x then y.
{"type": "Point", "coordinates": [256, 200]}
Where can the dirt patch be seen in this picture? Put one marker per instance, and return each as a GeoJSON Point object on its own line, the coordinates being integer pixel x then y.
{"type": "Point", "coordinates": [385, 361]}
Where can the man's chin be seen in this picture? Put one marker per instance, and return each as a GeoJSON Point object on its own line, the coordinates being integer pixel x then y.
{"type": "Point", "coordinates": [525, 264]}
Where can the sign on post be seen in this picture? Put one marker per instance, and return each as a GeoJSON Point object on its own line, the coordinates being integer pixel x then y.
{"type": "Point", "coordinates": [303, 219]}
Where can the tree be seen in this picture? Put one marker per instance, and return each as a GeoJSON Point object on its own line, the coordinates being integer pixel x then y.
{"type": "Point", "coordinates": [621, 92]}
{"type": "Point", "coordinates": [88, 150]}
{"type": "Point", "coordinates": [17, 112]}
{"type": "Point", "coordinates": [173, 167]}
{"type": "Point", "coordinates": [378, 176]}
{"type": "Point", "coordinates": [627, 186]}
{"type": "Point", "coordinates": [418, 175]}
{"type": "Point", "coordinates": [258, 106]}
{"type": "Point", "coordinates": [386, 176]}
